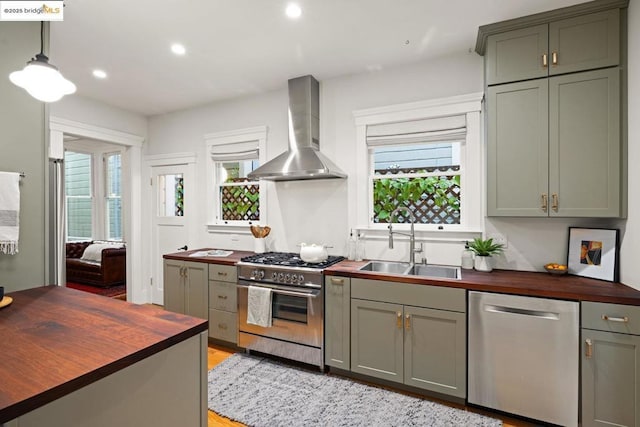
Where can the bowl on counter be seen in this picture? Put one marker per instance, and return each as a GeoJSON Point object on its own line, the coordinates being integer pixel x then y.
{"type": "Point", "coordinates": [555, 268]}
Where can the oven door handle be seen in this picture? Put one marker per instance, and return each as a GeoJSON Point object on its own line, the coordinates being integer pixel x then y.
{"type": "Point", "coordinates": [282, 291]}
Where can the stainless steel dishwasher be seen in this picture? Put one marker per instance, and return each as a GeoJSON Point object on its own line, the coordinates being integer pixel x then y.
{"type": "Point", "coordinates": [524, 356]}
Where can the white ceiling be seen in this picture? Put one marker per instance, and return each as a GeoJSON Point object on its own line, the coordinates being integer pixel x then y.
{"type": "Point", "coordinates": [242, 47]}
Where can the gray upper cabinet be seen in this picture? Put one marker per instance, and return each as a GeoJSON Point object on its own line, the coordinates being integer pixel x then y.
{"type": "Point", "coordinates": [517, 55]}
{"type": "Point", "coordinates": [580, 43]}
{"type": "Point", "coordinates": [555, 113]}
{"type": "Point", "coordinates": [584, 144]}
{"type": "Point", "coordinates": [584, 42]}
{"type": "Point", "coordinates": [554, 146]}
{"type": "Point", "coordinates": [517, 160]}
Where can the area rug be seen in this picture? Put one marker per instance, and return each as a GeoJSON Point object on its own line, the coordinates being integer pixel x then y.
{"type": "Point", "coordinates": [118, 291]}
{"type": "Point", "coordinates": [261, 392]}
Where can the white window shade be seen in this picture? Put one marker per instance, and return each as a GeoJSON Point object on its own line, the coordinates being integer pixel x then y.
{"type": "Point", "coordinates": [237, 151]}
{"type": "Point", "coordinates": [440, 129]}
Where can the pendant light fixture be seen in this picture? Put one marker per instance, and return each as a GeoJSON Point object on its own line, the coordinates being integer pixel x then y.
{"type": "Point", "coordinates": [40, 79]}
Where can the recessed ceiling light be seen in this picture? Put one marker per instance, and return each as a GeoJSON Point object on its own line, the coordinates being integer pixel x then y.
{"type": "Point", "coordinates": [293, 11]}
{"type": "Point", "coordinates": [99, 74]}
{"type": "Point", "coordinates": [178, 49]}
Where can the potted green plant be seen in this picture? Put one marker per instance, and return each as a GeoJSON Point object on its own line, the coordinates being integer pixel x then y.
{"type": "Point", "coordinates": [484, 250]}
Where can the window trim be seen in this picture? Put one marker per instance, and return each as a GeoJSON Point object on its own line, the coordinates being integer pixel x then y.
{"type": "Point", "coordinates": [105, 193]}
{"type": "Point", "coordinates": [471, 182]}
{"type": "Point", "coordinates": [238, 136]}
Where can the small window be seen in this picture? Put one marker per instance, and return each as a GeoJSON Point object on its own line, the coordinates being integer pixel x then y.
{"type": "Point", "coordinates": [423, 177]}
{"type": "Point", "coordinates": [239, 198]}
{"type": "Point", "coordinates": [78, 195]}
{"type": "Point", "coordinates": [234, 199]}
{"type": "Point", "coordinates": [170, 195]}
{"type": "Point", "coordinates": [113, 196]}
{"type": "Point", "coordinates": [425, 156]}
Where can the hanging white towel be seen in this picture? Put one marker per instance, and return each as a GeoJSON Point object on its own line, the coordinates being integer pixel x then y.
{"type": "Point", "coordinates": [259, 306]}
{"type": "Point", "coordinates": [9, 212]}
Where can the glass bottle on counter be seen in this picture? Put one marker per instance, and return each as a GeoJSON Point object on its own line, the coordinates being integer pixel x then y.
{"type": "Point", "coordinates": [467, 257]}
{"type": "Point", "coordinates": [351, 246]}
{"type": "Point", "coordinates": [359, 255]}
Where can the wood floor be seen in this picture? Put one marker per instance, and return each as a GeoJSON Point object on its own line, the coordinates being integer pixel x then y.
{"type": "Point", "coordinates": [217, 354]}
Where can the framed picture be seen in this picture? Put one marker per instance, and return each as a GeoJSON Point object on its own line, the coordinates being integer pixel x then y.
{"type": "Point", "coordinates": [593, 252]}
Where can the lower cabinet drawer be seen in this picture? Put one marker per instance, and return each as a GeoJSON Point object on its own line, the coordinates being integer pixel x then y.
{"type": "Point", "coordinates": [222, 296]}
{"type": "Point", "coordinates": [624, 319]}
{"type": "Point", "coordinates": [223, 325]}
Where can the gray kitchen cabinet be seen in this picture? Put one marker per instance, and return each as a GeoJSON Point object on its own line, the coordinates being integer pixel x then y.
{"type": "Point", "coordinates": [579, 43]}
{"type": "Point", "coordinates": [337, 319]}
{"type": "Point", "coordinates": [185, 287]}
{"type": "Point", "coordinates": [554, 146]}
{"type": "Point", "coordinates": [610, 365]}
{"type": "Point", "coordinates": [410, 334]}
{"type": "Point", "coordinates": [223, 305]}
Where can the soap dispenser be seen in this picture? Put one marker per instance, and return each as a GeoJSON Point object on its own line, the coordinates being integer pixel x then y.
{"type": "Point", "coordinates": [351, 247]}
{"type": "Point", "coordinates": [467, 257]}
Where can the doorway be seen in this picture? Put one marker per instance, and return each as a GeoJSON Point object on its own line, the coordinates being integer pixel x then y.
{"type": "Point", "coordinates": [171, 204]}
{"type": "Point", "coordinates": [62, 133]}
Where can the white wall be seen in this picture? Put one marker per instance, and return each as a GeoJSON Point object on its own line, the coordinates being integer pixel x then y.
{"type": "Point", "coordinates": [96, 113]}
{"type": "Point", "coordinates": [323, 211]}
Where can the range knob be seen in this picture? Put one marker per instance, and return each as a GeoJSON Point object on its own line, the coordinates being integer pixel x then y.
{"type": "Point", "coordinates": [300, 278]}
{"type": "Point", "coordinates": [287, 277]}
{"type": "Point", "coordinates": [294, 278]}
{"type": "Point", "coordinates": [281, 277]}
{"type": "Point", "coordinates": [254, 274]}
{"type": "Point", "coordinates": [260, 274]}
{"type": "Point", "coordinates": [274, 276]}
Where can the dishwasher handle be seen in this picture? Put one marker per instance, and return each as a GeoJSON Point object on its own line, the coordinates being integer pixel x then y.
{"type": "Point", "coordinates": [521, 311]}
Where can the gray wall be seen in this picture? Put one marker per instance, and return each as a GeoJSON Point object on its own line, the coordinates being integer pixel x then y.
{"type": "Point", "coordinates": [23, 149]}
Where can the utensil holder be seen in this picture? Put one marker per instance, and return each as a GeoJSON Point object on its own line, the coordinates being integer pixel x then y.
{"type": "Point", "coordinates": [259, 245]}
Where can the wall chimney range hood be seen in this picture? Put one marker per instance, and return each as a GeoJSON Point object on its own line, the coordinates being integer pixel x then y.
{"type": "Point", "coordinates": [303, 159]}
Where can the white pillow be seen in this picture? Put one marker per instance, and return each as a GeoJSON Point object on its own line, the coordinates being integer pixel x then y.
{"type": "Point", "coordinates": [93, 252]}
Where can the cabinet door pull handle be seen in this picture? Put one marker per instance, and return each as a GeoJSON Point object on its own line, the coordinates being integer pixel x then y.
{"type": "Point", "coordinates": [544, 202]}
{"type": "Point", "coordinates": [337, 281]}
{"type": "Point", "coordinates": [222, 326]}
{"type": "Point", "coordinates": [220, 273]}
{"type": "Point", "coordinates": [544, 60]}
{"type": "Point", "coordinates": [589, 348]}
{"type": "Point", "coordinates": [554, 58]}
{"type": "Point", "coordinates": [399, 320]}
{"type": "Point", "coordinates": [407, 322]}
{"type": "Point", "coordinates": [554, 202]}
{"type": "Point", "coordinates": [222, 296]}
{"type": "Point", "coordinates": [182, 272]}
{"type": "Point", "coordinates": [624, 319]}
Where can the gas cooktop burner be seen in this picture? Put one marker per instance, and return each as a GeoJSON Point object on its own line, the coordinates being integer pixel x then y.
{"type": "Point", "coordinates": [288, 259]}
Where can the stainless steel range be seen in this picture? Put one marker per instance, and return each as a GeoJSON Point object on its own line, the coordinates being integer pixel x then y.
{"type": "Point", "coordinates": [297, 306]}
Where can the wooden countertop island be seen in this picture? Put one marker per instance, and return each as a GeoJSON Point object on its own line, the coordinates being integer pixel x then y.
{"type": "Point", "coordinates": [74, 358]}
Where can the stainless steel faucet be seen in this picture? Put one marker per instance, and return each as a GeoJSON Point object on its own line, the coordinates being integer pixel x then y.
{"type": "Point", "coordinates": [412, 234]}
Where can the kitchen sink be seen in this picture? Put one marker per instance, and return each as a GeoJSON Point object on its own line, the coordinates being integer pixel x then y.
{"type": "Point", "coordinates": [444, 271]}
{"type": "Point", "coordinates": [405, 269]}
{"type": "Point", "coordinates": [389, 267]}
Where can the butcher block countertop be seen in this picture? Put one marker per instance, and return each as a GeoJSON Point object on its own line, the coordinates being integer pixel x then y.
{"type": "Point", "coordinates": [505, 281]}
{"type": "Point", "coordinates": [510, 282]}
{"type": "Point", "coordinates": [227, 260]}
{"type": "Point", "coordinates": [56, 340]}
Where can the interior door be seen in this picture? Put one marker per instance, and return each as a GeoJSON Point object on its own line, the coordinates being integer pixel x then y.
{"type": "Point", "coordinates": [170, 207]}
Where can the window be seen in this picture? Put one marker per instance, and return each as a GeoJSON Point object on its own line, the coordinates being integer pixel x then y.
{"type": "Point", "coordinates": [113, 196]}
{"type": "Point", "coordinates": [425, 156]}
{"type": "Point", "coordinates": [171, 195]}
{"type": "Point", "coordinates": [423, 177]}
{"type": "Point", "coordinates": [235, 200]}
{"type": "Point", "coordinates": [239, 198]}
{"type": "Point", "coordinates": [78, 195]}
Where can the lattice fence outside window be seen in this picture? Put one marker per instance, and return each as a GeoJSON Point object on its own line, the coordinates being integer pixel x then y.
{"type": "Point", "coordinates": [432, 194]}
{"type": "Point", "coordinates": [240, 200]}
